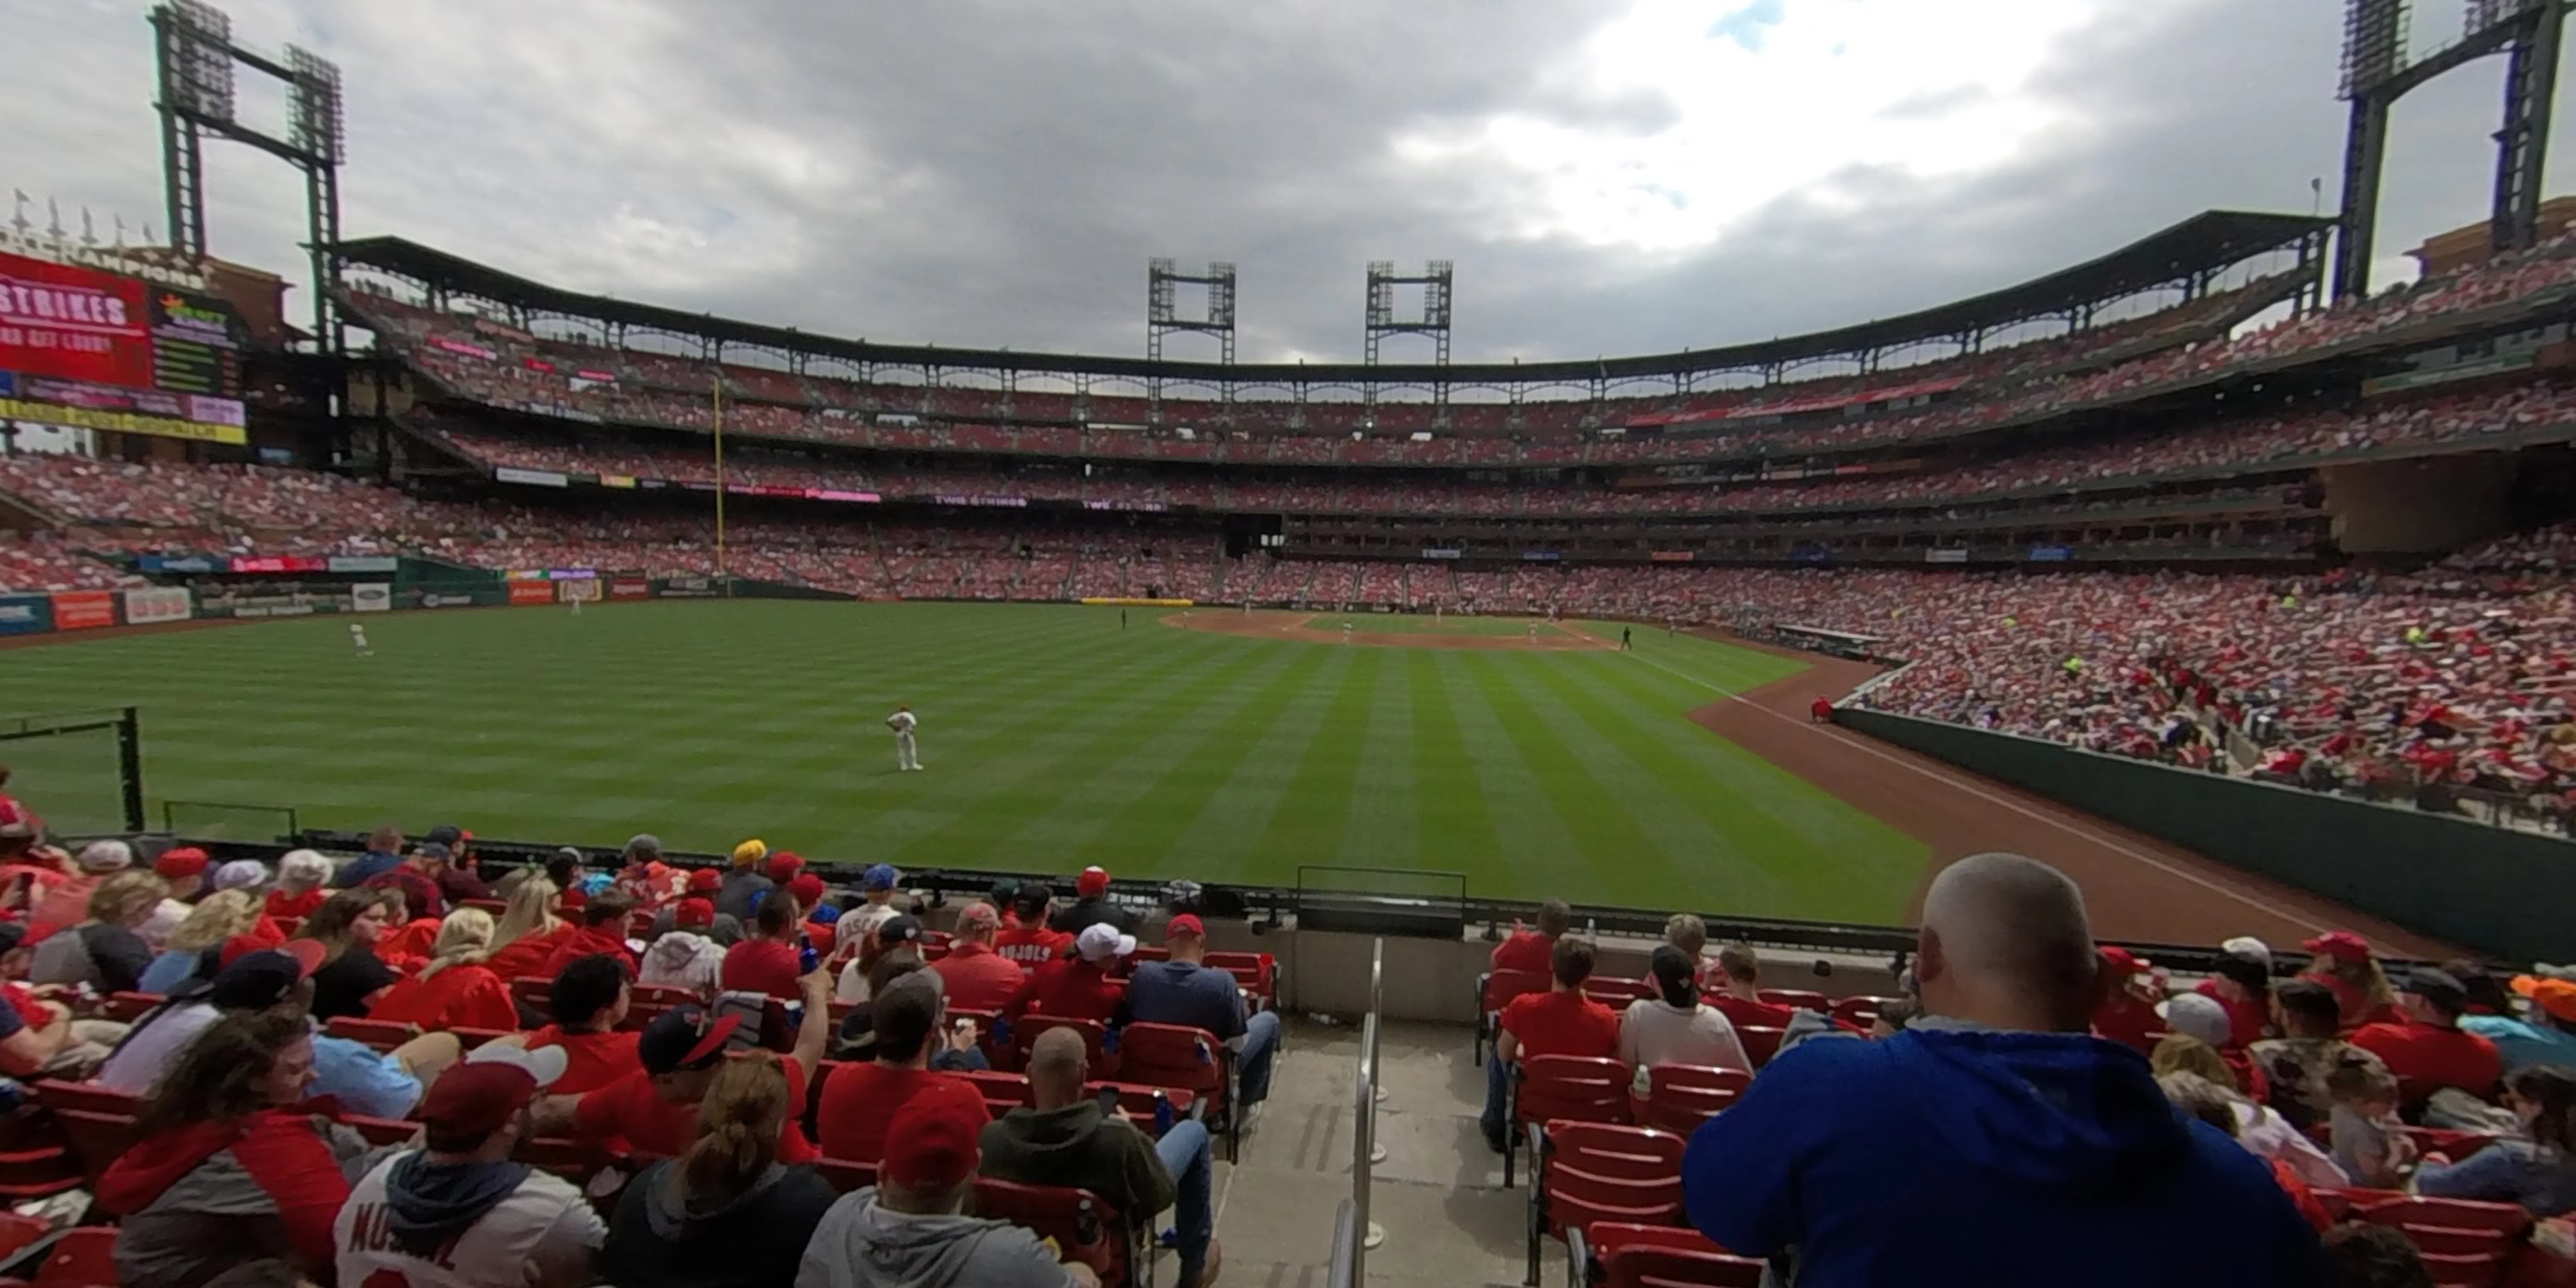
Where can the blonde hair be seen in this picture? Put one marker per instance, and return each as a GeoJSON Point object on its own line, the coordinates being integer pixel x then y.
{"type": "Point", "coordinates": [221, 915]}
{"type": "Point", "coordinates": [2183, 1053]}
{"type": "Point", "coordinates": [126, 897]}
{"type": "Point", "coordinates": [2364, 975]}
{"type": "Point", "coordinates": [464, 939]}
{"type": "Point", "coordinates": [531, 912]}
{"type": "Point", "coordinates": [738, 1124]}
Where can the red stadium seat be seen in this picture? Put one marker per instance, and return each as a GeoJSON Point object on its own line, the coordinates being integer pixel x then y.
{"type": "Point", "coordinates": [84, 1257]}
{"type": "Point", "coordinates": [1086, 1228]}
{"type": "Point", "coordinates": [1860, 1011]}
{"type": "Point", "coordinates": [1170, 1055]}
{"type": "Point", "coordinates": [1616, 991]}
{"type": "Point", "coordinates": [1095, 1039]}
{"type": "Point", "coordinates": [126, 1007]}
{"type": "Point", "coordinates": [1760, 1043]}
{"type": "Point", "coordinates": [1680, 1097]}
{"type": "Point", "coordinates": [1574, 1088]}
{"type": "Point", "coordinates": [383, 1035]}
{"type": "Point", "coordinates": [846, 1176]}
{"type": "Point", "coordinates": [1613, 1255]}
{"type": "Point", "coordinates": [533, 994]}
{"type": "Point", "coordinates": [1256, 973]}
{"type": "Point", "coordinates": [1583, 1172]}
{"type": "Point", "coordinates": [1802, 999]}
{"type": "Point", "coordinates": [1002, 1092]}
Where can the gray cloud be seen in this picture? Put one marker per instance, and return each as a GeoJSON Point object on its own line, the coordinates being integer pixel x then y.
{"type": "Point", "coordinates": [986, 173]}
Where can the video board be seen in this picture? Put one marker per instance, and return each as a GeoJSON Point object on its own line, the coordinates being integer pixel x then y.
{"type": "Point", "coordinates": [105, 351]}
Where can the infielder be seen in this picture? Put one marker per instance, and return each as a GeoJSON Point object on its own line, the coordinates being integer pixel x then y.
{"type": "Point", "coordinates": [358, 640]}
{"type": "Point", "coordinates": [905, 756]}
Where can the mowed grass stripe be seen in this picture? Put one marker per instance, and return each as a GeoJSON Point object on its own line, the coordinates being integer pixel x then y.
{"type": "Point", "coordinates": [1084, 818]}
{"type": "Point", "coordinates": [1221, 838]}
{"type": "Point", "coordinates": [1146, 827]}
{"type": "Point", "coordinates": [1448, 795]}
{"type": "Point", "coordinates": [1610, 842]}
{"type": "Point", "coordinates": [1378, 831]}
{"type": "Point", "coordinates": [1021, 784]}
{"type": "Point", "coordinates": [1307, 827]}
{"type": "Point", "coordinates": [1531, 842]}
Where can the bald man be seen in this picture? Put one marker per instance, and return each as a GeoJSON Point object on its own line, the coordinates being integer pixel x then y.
{"type": "Point", "coordinates": [1992, 1141]}
{"type": "Point", "coordinates": [1066, 1138]}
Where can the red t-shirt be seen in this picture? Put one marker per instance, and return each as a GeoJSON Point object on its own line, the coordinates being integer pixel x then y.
{"type": "Point", "coordinates": [861, 1100]}
{"type": "Point", "coordinates": [1072, 989]}
{"type": "Point", "coordinates": [592, 1060]}
{"type": "Point", "coordinates": [1031, 945]}
{"type": "Point", "coordinates": [2428, 1057]}
{"type": "Point", "coordinates": [1744, 1014]}
{"type": "Point", "coordinates": [979, 979]}
{"type": "Point", "coordinates": [761, 966]}
{"type": "Point", "coordinates": [459, 996]}
{"type": "Point", "coordinates": [629, 1109]}
{"type": "Point", "coordinates": [2245, 1019]}
{"type": "Point", "coordinates": [1555, 1023]}
{"type": "Point", "coordinates": [1525, 950]}
{"type": "Point", "coordinates": [282, 904]}
{"type": "Point", "coordinates": [526, 955]}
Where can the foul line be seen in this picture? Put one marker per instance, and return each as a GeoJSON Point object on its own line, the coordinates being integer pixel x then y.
{"type": "Point", "coordinates": [2109, 843]}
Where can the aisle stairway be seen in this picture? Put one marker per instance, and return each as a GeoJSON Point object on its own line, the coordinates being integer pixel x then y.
{"type": "Point", "coordinates": [1438, 1194]}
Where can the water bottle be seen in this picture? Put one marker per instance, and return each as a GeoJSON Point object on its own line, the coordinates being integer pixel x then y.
{"type": "Point", "coordinates": [807, 959]}
{"type": "Point", "coordinates": [1162, 1113]}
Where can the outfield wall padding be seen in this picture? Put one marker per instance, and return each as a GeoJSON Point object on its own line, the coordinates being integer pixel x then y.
{"type": "Point", "coordinates": [2501, 892]}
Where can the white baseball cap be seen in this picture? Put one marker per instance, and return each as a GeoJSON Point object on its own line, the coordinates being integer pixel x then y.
{"type": "Point", "coordinates": [2248, 948]}
{"type": "Point", "coordinates": [1101, 941]}
{"type": "Point", "coordinates": [2198, 1016]}
{"type": "Point", "coordinates": [545, 1064]}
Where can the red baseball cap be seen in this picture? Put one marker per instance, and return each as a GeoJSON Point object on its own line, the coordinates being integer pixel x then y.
{"type": "Point", "coordinates": [693, 914]}
{"type": "Point", "coordinates": [783, 866]}
{"type": "Point", "coordinates": [483, 1094]}
{"type": "Point", "coordinates": [2123, 962]}
{"type": "Point", "coordinates": [934, 1144]}
{"type": "Point", "coordinates": [1093, 883]}
{"type": "Point", "coordinates": [1187, 923]}
{"type": "Point", "coordinates": [806, 889]}
{"type": "Point", "coordinates": [181, 862]}
{"type": "Point", "coordinates": [705, 881]}
{"type": "Point", "coordinates": [2341, 944]}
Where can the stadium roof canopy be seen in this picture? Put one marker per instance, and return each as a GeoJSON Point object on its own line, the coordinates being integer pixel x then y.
{"type": "Point", "coordinates": [2206, 242]}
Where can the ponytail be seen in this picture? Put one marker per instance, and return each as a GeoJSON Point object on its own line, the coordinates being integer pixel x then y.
{"type": "Point", "coordinates": [738, 1127]}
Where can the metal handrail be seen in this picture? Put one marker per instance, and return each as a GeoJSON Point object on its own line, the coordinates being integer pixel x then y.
{"type": "Point", "coordinates": [1364, 1117]}
{"type": "Point", "coordinates": [1344, 1271]}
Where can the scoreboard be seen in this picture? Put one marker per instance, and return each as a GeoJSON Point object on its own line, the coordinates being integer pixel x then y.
{"type": "Point", "coordinates": [106, 351]}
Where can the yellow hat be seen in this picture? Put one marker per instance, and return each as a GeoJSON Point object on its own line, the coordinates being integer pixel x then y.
{"type": "Point", "coordinates": [750, 852]}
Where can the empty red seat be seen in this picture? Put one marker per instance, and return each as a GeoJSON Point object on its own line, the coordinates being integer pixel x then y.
{"type": "Point", "coordinates": [1584, 1172]}
{"type": "Point", "coordinates": [1002, 1092]}
{"type": "Point", "coordinates": [1679, 1097]}
{"type": "Point", "coordinates": [1802, 999]}
{"type": "Point", "coordinates": [85, 1257]}
{"type": "Point", "coordinates": [533, 994]}
{"type": "Point", "coordinates": [1760, 1044]}
{"type": "Point", "coordinates": [1095, 1039]}
{"type": "Point", "coordinates": [1574, 1088]}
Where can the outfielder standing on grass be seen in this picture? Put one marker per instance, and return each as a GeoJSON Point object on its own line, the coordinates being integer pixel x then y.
{"type": "Point", "coordinates": [902, 722]}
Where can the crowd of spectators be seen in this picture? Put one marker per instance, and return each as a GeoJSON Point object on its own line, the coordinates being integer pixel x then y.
{"type": "Point", "coordinates": [481, 360]}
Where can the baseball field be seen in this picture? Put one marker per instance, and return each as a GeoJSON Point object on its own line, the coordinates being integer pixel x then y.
{"type": "Point", "coordinates": [1222, 748]}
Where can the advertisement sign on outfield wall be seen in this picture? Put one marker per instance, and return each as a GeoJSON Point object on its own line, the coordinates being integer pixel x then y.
{"type": "Point", "coordinates": [364, 563]}
{"type": "Point", "coordinates": [532, 592]}
{"type": "Point", "coordinates": [630, 588]}
{"type": "Point", "coordinates": [83, 610]}
{"type": "Point", "coordinates": [690, 588]}
{"type": "Point", "coordinates": [371, 596]}
{"type": "Point", "coordinates": [158, 604]}
{"type": "Point", "coordinates": [26, 614]}
{"type": "Point", "coordinates": [1950, 555]}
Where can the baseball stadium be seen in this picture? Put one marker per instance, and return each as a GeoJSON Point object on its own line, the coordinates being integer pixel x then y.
{"type": "Point", "coordinates": [1435, 709]}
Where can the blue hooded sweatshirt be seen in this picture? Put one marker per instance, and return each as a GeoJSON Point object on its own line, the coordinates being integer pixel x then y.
{"type": "Point", "coordinates": [1945, 1156]}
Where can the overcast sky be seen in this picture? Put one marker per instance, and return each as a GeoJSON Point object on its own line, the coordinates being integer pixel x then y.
{"type": "Point", "coordinates": [1610, 176]}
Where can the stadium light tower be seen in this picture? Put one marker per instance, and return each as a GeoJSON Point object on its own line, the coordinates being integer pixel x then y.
{"type": "Point", "coordinates": [2376, 74]}
{"type": "Point", "coordinates": [1435, 279]}
{"type": "Point", "coordinates": [196, 58]}
{"type": "Point", "coordinates": [1163, 317]}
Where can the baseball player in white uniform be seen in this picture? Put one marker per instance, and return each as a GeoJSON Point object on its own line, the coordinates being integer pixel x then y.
{"type": "Point", "coordinates": [358, 640]}
{"type": "Point", "coordinates": [902, 722]}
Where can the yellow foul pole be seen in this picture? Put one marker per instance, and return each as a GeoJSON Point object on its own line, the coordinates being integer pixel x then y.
{"type": "Point", "coordinates": [715, 394]}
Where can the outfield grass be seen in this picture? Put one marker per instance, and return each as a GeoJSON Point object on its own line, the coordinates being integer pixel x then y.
{"type": "Point", "coordinates": [1052, 739]}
